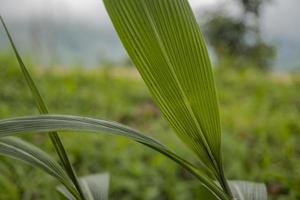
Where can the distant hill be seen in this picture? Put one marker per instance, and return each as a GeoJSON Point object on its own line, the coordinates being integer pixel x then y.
{"type": "Point", "coordinates": [60, 32]}
{"type": "Point", "coordinates": [49, 42]}
{"type": "Point", "coordinates": [77, 43]}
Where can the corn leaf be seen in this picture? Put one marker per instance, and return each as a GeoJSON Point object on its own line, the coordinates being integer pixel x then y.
{"type": "Point", "coordinates": [46, 123]}
{"type": "Point", "coordinates": [163, 40]}
{"type": "Point", "coordinates": [21, 150]}
{"type": "Point", "coordinates": [95, 187]}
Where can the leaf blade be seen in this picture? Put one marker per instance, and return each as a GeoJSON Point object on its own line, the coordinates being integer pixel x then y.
{"type": "Point", "coordinates": [96, 187]}
{"type": "Point", "coordinates": [46, 123]}
{"type": "Point", "coordinates": [98, 184]}
{"type": "Point", "coordinates": [57, 143]}
{"type": "Point", "coordinates": [163, 40]}
{"type": "Point", "coordinates": [244, 190]}
{"type": "Point", "coordinates": [28, 153]}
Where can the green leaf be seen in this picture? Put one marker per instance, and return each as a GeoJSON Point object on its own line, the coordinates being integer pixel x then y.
{"type": "Point", "coordinates": [163, 40]}
{"type": "Point", "coordinates": [65, 193]}
{"type": "Point", "coordinates": [57, 143]}
{"type": "Point", "coordinates": [96, 187]}
{"type": "Point", "coordinates": [46, 123]}
{"type": "Point", "coordinates": [21, 150]}
{"type": "Point", "coordinates": [243, 190]}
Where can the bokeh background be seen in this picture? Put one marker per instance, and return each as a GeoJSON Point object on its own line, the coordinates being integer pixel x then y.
{"type": "Point", "coordinates": [82, 69]}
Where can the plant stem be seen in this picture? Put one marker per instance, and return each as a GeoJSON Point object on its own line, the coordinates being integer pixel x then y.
{"type": "Point", "coordinates": [223, 182]}
{"type": "Point", "coordinates": [59, 148]}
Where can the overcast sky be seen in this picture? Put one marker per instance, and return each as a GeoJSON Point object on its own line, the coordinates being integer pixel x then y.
{"type": "Point", "coordinates": [280, 19]}
{"type": "Point", "coordinates": [74, 8]}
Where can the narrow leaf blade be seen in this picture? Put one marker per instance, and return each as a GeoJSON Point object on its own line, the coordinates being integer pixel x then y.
{"type": "Point", "coordinates": [57, 143]}
{"type": "Point", "coordinates": [28, 153]}
{"type": "Point", "coordinates": [46, 123]}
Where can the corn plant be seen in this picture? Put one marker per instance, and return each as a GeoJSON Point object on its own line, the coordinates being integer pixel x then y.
{"type": "Point", "coordinates": [164, 42]}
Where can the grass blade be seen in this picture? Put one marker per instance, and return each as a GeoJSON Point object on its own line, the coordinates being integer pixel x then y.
{"type": "Point", "coordinates": [21, 150]}
{"type": "Point", "coordinates": [57, 143]}
{"type": "Point", "coordinates": [46, 123]}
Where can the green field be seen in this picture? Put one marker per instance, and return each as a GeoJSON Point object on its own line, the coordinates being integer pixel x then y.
{"type": "Point", "coordinates": [260, 120]}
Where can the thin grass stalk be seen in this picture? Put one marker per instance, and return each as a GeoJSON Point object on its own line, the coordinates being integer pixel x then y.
{"type": "Point", "coordinates": [54, 136]}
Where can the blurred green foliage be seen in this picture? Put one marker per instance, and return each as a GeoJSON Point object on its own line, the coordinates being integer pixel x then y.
{"type": "Point", "coordinates": [232, 39]}
{"type": "Point", "coordinates": [239, 37]}
{"type": "Point", "coordinates": [260, 118]}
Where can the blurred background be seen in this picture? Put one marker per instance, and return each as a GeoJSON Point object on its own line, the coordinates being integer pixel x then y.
{"type": "Point", "coordinates": [68, 32]}
{"type": "Point", "coordinates": [81, 68]}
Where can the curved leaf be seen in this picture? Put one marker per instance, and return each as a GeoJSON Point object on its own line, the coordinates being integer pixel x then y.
{"type": "Point", "coordinates": [46, 123]}
{"type": "Point", "coordinates": [21, 150]}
